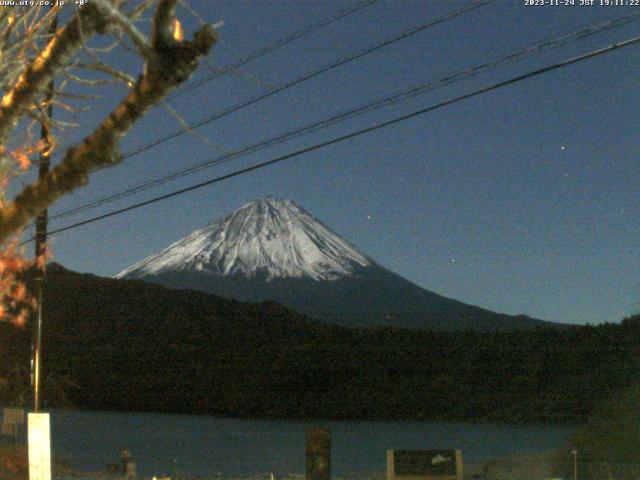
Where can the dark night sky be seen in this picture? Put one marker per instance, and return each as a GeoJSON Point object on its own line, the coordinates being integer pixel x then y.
{"type": "Point", "coordinates": [521, 200]}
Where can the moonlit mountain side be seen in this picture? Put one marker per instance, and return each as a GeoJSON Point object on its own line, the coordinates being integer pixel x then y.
{"type": "Point", "coordinates": [272, 249]}
{"type": "Point", "coordinates": [270, 236]}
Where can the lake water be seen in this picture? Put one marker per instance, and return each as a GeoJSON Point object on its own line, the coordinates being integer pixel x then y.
{"type": "Point", "coordinates": [206, 446]}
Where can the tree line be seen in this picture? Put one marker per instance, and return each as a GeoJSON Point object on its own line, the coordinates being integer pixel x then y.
{"type": "Point", "coordinates": [126, 345]}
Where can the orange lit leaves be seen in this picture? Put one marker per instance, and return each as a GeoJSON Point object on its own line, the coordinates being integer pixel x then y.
{"type": "Point", "coordinates": [178, 33]}
{"type": "Point", "coordinates": [16, 302]}
{"type": "Point", "coordinates": [22, 156]}
{"type": "Point", "coordinates": [41, 260]}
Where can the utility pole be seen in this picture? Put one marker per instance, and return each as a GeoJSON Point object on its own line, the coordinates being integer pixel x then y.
{"type": "Point", "coordinates": [41, 233]}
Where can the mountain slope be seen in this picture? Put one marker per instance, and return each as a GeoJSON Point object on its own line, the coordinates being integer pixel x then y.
{"type": "Point", "coordinates": [372, 296]}
{"type": "Point", "coordinates": [272, 249]}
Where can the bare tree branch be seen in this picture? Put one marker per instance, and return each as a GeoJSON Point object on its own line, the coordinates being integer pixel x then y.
{"type": "Point", "coordinates": [124, 23]}
{"type": "Point", "coordinates": [191, 131]}
{"type": "Point", "coordinates": [140, 9]}
{"type": "Point", "coordinates": [35, 78]}
{"type": "Point", "coordinates": [162, 31]}
{"type": "Point", "coordinates": [172, 63]}
{"type": "Point", "coordinates": [103, 67]}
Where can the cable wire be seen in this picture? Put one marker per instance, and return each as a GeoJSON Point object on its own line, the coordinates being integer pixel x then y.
{"type": "Point", "coordinates": [355, 134]}
{"type": "Point", "coordinates": [372, 106]}
{"type": "Point", "coordinates": [308, 76]}
{"type": "Point", "coordinates": [273, 46]}
{"type": "Point", "coordinates": [281, 42]}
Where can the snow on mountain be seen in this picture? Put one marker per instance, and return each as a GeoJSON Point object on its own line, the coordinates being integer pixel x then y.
{"type": "Point", "coordinates": [273, 250]}
{"type": "Point", "coordinates": [271, 236]}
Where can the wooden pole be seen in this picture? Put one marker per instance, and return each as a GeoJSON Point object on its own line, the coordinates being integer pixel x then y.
{"type": "Point", "coordinates": [41, 235]}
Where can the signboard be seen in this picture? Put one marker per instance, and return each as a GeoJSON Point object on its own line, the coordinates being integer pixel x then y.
{"type": "Point", "coordinates": [39, 446]}
{"type": "Point", "coordinates": [424, 464]}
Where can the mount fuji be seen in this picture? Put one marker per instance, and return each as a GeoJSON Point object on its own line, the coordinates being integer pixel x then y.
{"type": "Point", "coordinates": [273, 250]}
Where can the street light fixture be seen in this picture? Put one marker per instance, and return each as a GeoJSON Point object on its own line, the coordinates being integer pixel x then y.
{"type": "Point", "coordinates": [575, 464]}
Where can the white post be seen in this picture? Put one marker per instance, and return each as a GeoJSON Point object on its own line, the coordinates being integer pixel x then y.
{"type": "Point", "coordinates": [39, 438]}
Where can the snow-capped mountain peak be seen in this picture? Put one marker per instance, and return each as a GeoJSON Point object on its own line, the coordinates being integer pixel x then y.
{"type": "Point", "coordinates": [271, 236]}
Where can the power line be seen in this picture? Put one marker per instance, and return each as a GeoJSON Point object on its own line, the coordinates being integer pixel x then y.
{"type": "Point", "coordinates": [281, 42]}
{"type": "Point", "coordinates": [372, 106]}
{"type": "Point", "coordinates": [273, 46]}
{"type": "Point", "coordinates": [309, 75]}
{"type": "Point", "coordinates": [355, 134]}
